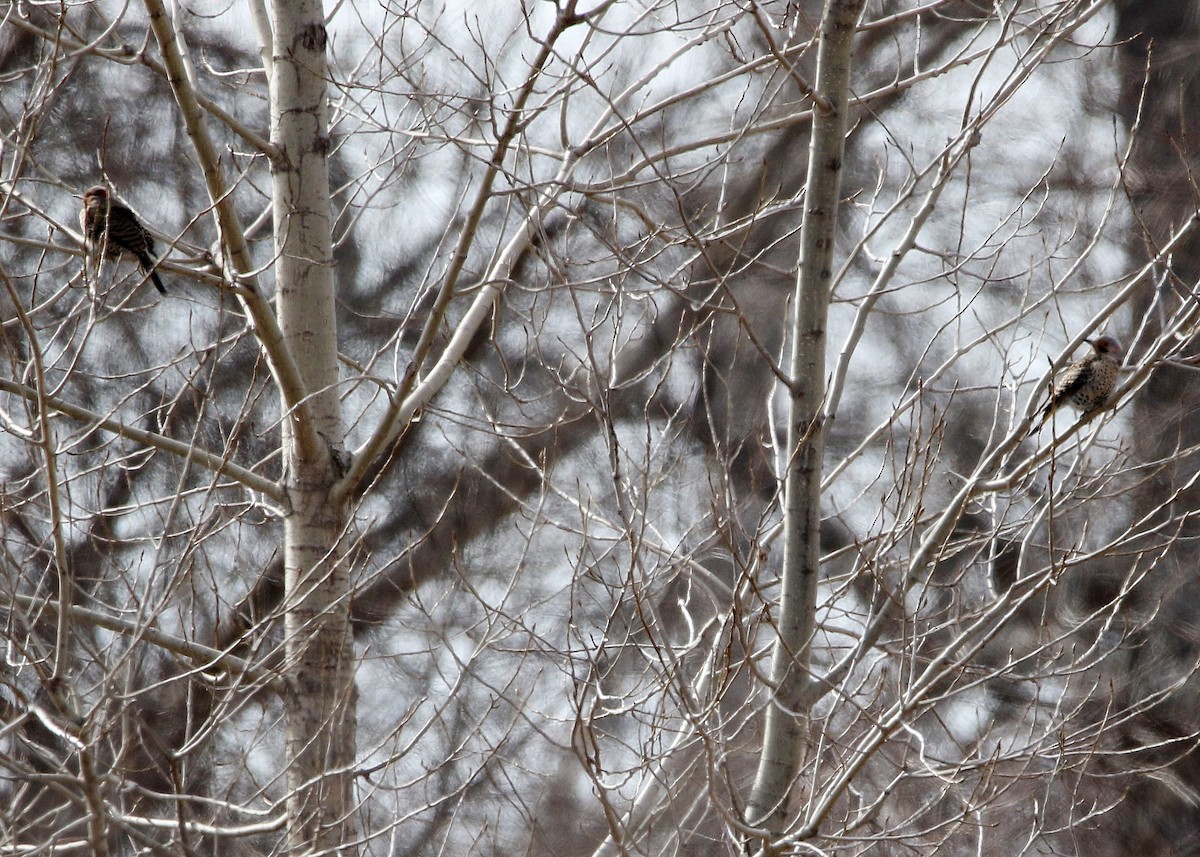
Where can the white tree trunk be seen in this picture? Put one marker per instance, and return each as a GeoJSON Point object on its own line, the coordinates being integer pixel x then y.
{"type": "Point", "coordinates": [319, 693]}
{"type": "Point", "coordinates": [784, 729]}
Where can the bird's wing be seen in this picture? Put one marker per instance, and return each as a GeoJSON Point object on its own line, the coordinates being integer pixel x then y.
{"type": "Point", "coordinates": [1070, 382]}
{"type": "Point", "coordinates": [128, 231]}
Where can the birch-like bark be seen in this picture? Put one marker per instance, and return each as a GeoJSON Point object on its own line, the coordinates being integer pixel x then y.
{"type": "Point", "coordinates": [785, 727]}
{"type": "Point", "coordinates": [318, 695]}
{"type": "Point", "coordinates": [236, 258]}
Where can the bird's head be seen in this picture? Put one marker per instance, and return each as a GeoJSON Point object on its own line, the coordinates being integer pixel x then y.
{"type": "Point", "coordinates": [1106, 345]}
{"type": "Point", "coordinates": [99, 193]}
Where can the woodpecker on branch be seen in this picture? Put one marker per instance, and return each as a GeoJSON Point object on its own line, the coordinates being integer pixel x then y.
{"type": "Point", "coordinates": [113, 229]}
{"type": "Point", "coordinates": [1087, 383]}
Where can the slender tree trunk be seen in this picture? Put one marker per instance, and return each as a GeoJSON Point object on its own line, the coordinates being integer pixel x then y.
{"type": "Point", "coordinates": [319, 693]}
{"type": "Point", "coordinates": [785, 728]}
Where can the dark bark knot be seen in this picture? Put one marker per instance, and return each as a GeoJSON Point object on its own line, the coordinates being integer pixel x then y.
{"type": "Point", "coordinates": [312, 38]}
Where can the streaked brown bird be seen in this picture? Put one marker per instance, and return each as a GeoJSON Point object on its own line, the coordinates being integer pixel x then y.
{"type": "Point", "coordinates": [1087, 383]}
{"type": "Point", "coordinates": [113, 228]}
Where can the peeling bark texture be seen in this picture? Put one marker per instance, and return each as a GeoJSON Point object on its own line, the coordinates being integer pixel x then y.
{"type": "Point", "coordinates": [318, 676]}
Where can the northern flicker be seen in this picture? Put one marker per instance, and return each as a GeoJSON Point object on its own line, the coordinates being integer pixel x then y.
{"type": "Point", "coordinates": [1087, 383]}
{"type": "Point", "coordinates": [113, 228]}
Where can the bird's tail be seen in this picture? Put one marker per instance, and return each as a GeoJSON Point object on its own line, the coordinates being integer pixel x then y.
{"type": "Point", "coordinates": [1041, 420]}
{"type": "Point", "coordinates": [148, 267]}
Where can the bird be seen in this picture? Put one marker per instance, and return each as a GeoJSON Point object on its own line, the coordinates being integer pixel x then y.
{"type": "Point", "coordinates": [1087, 383]}
{"type": "Point", "coordinates": [112, 227]}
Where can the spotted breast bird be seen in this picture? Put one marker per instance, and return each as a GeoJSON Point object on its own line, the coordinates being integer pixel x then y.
{"type": "Point", "coordinates": [1087, 383]}
{"type": "Point", "coordinates": [113, 229]}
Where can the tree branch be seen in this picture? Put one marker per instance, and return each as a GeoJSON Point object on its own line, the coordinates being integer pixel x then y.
{"type": "Point", "coordinates": [222, 466]}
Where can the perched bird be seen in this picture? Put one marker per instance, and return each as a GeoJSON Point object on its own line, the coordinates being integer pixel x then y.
{"type": "Point", "coordinates": [112, 227]}
{"type": "Point", "coordinates": [1087, 383]}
